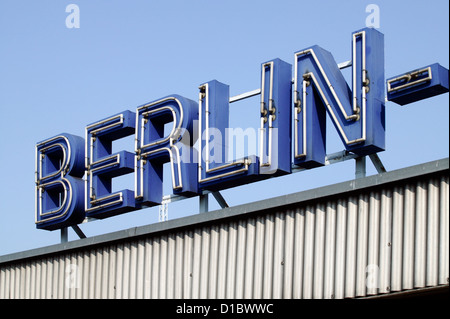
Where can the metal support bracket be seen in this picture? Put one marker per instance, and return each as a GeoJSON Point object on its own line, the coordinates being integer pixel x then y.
{"type": "Point", "coordinates": [361, 165]}
{"type": "Point", "coordinates": [219, 198]}
{"type": "Point", "coordinates": [78, 231]}
{"type": "Point", "coordinates": [65, 233]}
{"type": "Point", "coordinates": [376, 161]}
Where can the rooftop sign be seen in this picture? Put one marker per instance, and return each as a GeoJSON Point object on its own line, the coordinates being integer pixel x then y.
{"type": "Point", "coordinates": [74, 174]}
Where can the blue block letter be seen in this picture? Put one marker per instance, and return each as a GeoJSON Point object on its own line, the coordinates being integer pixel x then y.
{"type": "Point", "coordinates": [59, 184]}
{"type": "Point", "coordinates": [153, 149]}
{"type": "Point", "coordinates": [102, 166]}
{"type": "Point", "coordinates": [357, 113]}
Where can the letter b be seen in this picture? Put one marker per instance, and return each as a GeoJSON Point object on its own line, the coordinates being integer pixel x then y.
{"type": "Point", "coordinates": [239, 308]}
{"type": "Point", "coordinates": [59, 183]}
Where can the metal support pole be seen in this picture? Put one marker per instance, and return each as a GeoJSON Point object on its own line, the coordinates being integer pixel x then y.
{"type": "Point", "coordinates": [163, 212]}
{"type": "Point", "coordinates": [64, 235]}
{"type": "Point", "coordinates": [203, 203]}
{"type": "Point", "coordinates": [360, 171]}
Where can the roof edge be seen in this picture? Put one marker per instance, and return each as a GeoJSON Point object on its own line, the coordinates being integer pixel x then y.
{"type": "Point", "coordinates": [350, 186]}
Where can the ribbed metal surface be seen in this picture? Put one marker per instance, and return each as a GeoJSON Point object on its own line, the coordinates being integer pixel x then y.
{"type": "Point", "coordinates": [375, 241]}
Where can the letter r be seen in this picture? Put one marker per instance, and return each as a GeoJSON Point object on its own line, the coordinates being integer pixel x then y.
{"type": "Point", "coordinates": [154, 148]}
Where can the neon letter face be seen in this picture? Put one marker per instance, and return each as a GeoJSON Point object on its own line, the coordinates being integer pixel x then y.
{"type": "Point", "coordinates": [102, 166]}
{"type": "Point", "coordinates": [275, 129]}
{"type": "Point", "coordinates": [59, 183]}
{"type": "Point", "coordinates": [153, 149]}
{"type": "Point", "coordinates": [357, 113]}
{"type": "Point", "coordinates": [213, 121]}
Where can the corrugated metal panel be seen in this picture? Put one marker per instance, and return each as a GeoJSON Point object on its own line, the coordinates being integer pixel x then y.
{"type": "Point", "coordinates": [375, 240]}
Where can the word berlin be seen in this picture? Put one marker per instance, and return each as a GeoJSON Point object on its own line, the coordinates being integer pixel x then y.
{"type": "Point", "coordinates": [74, 174]}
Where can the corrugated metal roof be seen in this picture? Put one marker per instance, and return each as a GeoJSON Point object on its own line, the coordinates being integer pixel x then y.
{"type": "Point", "coordinates": [370, 236]}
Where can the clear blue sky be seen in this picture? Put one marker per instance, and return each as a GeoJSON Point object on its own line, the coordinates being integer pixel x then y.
{"type": "Point", "coordinates": [54, 79]}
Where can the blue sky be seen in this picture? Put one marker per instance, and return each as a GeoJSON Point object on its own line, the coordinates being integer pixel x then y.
{"type": "Point", "coordinates": [54, 79]}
